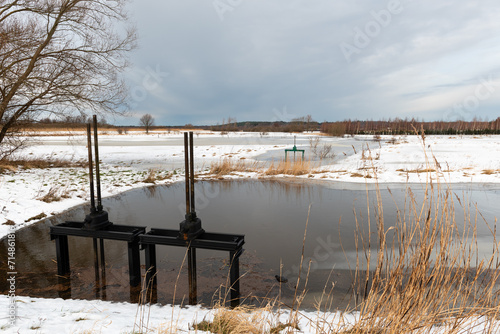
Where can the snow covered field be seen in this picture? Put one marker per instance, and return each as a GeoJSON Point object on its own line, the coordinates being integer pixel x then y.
{"type": "Point", "coordinates": [128, 159]}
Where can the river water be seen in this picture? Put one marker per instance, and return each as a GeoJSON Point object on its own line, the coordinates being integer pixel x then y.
{"type": "Point", "coordinates": [272, 215]}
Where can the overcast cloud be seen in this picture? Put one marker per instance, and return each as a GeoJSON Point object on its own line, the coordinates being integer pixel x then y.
{"type": "Point", "coordinates": [202, 61]}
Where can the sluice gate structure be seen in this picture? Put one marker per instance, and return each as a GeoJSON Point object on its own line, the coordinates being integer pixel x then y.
{"type": "Point", "coordinates": [191, 235]}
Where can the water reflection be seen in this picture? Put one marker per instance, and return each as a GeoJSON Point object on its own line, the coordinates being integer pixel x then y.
{"type": "Point", "coordinates": [271, 214]}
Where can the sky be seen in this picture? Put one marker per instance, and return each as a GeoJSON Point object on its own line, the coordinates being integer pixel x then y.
{"type": "Point", "coordinates": [204, 61]}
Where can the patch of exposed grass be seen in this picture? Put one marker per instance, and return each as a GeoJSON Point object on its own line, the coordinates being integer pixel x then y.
{"type": "Point", "coordinates": [151, 177]}
{"type": "Point", "coordinates": [37, 217]}
{"type": "Point", "coordinates": [357, 175]}
{"type": "Point", "coordinates": [423, 170]}
{"type": "Point", "coordinates": [55, 194]}
{"type": "Point", "coordinates": [280, 327]}
{"type": "Point", "coordinates": [227, 166]}
{"type": "Point", "coordinates": [490, 171]}
{"type": "Point", "coordinates": [295, 168]}
{"type": "Point", "coordinates": [9, 223]}
{"type": "Point", "coordinates": [8, 164]}
{"type": "Point", "coordinates": [235, 321]}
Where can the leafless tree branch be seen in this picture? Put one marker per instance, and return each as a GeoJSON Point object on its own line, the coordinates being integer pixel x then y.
{"type": "Point", "coordinates": [61, 56]}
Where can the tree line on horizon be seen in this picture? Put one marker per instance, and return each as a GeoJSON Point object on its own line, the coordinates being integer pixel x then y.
{"type": "Point", "coordinates": [405, 126]}
{"type": "Point", "coordinates": [395, 126]}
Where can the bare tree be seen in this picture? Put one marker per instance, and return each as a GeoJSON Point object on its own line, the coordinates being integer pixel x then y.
{"type": "Point", "coordinates": [147, 121]}
{"type": "Point", "coordinates": [309, 120]}
{"type": "Point", "coordinates": [61, 57]}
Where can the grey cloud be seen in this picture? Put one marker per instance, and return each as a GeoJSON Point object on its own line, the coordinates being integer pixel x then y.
{"type": "Point", "coordinates": [265, 55]}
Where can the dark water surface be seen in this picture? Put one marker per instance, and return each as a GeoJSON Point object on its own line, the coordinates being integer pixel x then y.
{"type": "Point", "coordinates": [272, 215]}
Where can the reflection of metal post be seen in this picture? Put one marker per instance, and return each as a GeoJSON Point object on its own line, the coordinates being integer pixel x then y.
{"type": "Point", "coordinates": [99, 265]}
{"type": "Point", "coordinates": [234, 276]}
{"type": "Point", "coordinates": [150, 250]}
{"type": "Point", "coordinates": [96, 261]}
{"type": "Point", "coordinates": [193, 288]}
{"type": "Point", "coordinates": [103, 263]}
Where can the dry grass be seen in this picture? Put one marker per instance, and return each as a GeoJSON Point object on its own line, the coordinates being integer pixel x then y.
{"type": "Point", "coordinates": [366, 176]}
{"type": "Point", "coordinates": [154, 174]}
{"type": "Point", "coordinates": [425, 270]}
{"type": "Point", "coordinates": [55, 194]}
{"type": "Point", "coordinates": [227, 166]}
{"type": "Point", "coordinates": [9, 222]}
{"type": "Point", "coordinates": [490, 171]}
{"type": "Point", "coordinates": [418, 171]}
{"type": "Point", "coordinates": [295, 168]}
{"type": "Point", "coordinates": [29, 163]}
{"type": "Point", "coordinates": [238, 320]}
{"type": "Point", "coordinates": [151, 176]}
{"type": "Point", "coordinates": [37, 217]}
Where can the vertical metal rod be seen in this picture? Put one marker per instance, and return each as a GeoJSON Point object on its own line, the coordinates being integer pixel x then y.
{"type": "Point", "coordinates": [234, 275]}
{"type": "Point", "coordinates": [96, 262]}
{"type": "Point", "coordinates": [186, 167]}
{"type": "Point", "coordinates": [193, 288]}
{"type": "Point", "coordinates": [191, 162]}
{"type": "Point", "coordinates": [62, 253]}
{"type": "Point", "coordinates": [91, 169]}
{"type": "Point", "coordinates": [134, 263]}
{"type": "Point", "coordinates": [103, 262]}
{"type": "Point", "coordinates": [103, 269]}
{"type": "Point", "coordinates": [151, 264]}
{"type": "Point", "coordinates": [97, 174]}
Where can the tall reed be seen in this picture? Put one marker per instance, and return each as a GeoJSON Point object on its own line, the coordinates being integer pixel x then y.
{"type": "Point", "coordinates": [426, 269]}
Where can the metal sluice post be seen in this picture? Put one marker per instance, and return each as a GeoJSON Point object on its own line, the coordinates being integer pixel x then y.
{"type": "Point", "coordinates": [190, 228]}
{"type": "Point", "coordinates": [96, 211]}
{"type": "Point", "coordinates": [97, 226]}
{"type": "Point", "coordinates": [192, 236]}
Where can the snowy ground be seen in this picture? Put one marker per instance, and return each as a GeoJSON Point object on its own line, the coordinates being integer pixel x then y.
{"type": "Point", "coordinates": [128, 159]}
{"type": "Point", "coordinates": [35, 315]}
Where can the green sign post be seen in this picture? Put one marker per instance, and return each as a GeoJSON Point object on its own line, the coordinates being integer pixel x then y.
{"type": "Point", "coordinates": [294, 150]}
